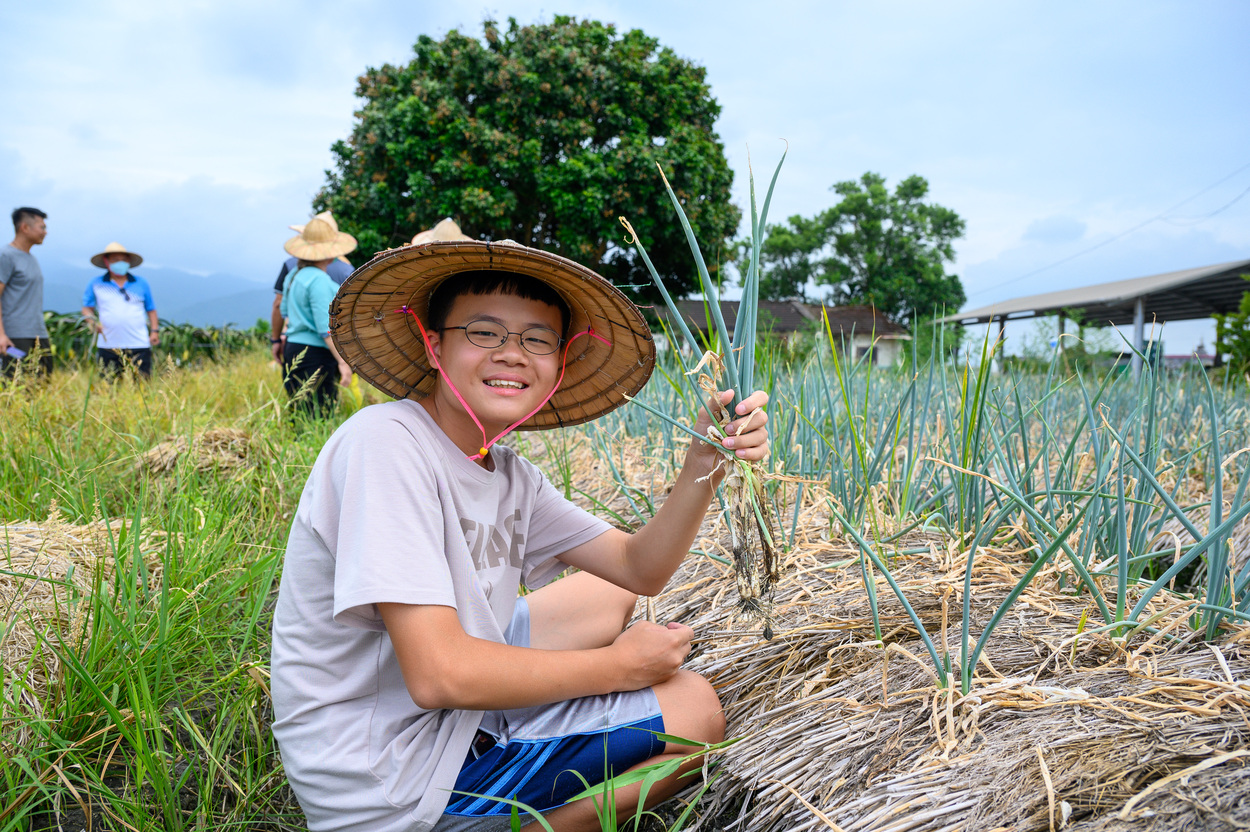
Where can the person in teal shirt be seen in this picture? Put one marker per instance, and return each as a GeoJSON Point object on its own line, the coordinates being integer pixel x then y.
{"type": "Point", "coordinates": [311, 366]}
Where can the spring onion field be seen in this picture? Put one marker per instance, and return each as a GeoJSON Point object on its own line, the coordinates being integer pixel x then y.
{"type": "Point", "coordinates": [134, 622]}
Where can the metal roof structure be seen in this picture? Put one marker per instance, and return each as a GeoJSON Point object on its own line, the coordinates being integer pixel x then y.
{"type": "Point", "coordinates": [1175, 296]}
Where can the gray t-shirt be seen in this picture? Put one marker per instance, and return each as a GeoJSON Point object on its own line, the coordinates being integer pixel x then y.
{"type": "Point", "coordinates": [394, 512]}
{"type": "Point", "coordinates": [21, 300]}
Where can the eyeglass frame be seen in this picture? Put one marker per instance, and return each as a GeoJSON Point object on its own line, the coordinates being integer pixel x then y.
{"type": "Point", "coordinates": [507, 332]}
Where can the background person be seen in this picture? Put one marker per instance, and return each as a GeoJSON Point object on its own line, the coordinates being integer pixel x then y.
{"type": "Point", "coordinates": [22, 330]}
{"type": "Point", "coordinates": [445, 230]}
{"type": "Point", "coordinates": [118, 305]}
{"type": "Point", "coordinates": [309, 357]}
{"type": "Point", "coordinates": [339, 270]}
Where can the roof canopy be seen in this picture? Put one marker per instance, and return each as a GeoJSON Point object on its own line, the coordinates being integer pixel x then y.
{"type": "Point", "coordinates": [1175, 296]}
{"type": "Point", "coordinates": [791, 316]}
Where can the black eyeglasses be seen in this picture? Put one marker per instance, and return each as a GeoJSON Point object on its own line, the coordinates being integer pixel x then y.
{"type": "Point", "coordinates": [537, 340]}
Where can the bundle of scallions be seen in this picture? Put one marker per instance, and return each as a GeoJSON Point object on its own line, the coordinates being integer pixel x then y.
{"type": "Point", "coordinates": [754, 540]}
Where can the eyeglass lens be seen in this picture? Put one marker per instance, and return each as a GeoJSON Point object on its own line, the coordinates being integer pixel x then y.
{"type": "Point", "coordinates": [537, 340]}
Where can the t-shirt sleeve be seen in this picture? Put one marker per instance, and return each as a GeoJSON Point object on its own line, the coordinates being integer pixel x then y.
{"type": "Point", "coordinates": [339, 271]}
{"type": "Point", "coordinates": [88, 296]}
{"type": "Point", "coordinates": [383, 521]}
{"type": "Point", "coordinates": [557, 525]}
{"type": "Point", "coordinates": [6, 268]}
{"type": "Point", "coordinates": [323, 292]}
{"type": "Point", "coordinates": [281, 282]}
{"type": "Point", "coordinates": [148, 304]}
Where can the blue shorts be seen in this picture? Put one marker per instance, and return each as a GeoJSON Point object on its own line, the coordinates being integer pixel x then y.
{"type": "Point", "coordinates": [530, 754]}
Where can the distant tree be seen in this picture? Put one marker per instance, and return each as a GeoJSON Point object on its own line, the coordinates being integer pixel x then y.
{"type": "Point", "coordinates": [542, 134]}
{"type": "Point", "coordinates": [1232, 336]}
{"type": "Point", "coordinates": [789, 257]}
{"type": "Point", "coordinates": [878, 248]}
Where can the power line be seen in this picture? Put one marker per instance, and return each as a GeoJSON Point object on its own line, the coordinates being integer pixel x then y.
{"type": "Point", "coordinates": [1160, 216]}
{"type": "Point", "coordinates": [1188, 221]}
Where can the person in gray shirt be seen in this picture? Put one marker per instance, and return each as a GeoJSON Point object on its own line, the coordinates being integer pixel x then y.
{"type": "Point", "coordinates": [22, 330]}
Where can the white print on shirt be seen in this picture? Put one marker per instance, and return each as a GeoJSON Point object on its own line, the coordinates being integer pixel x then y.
{"type": "Point", "coordinates": [490, 547]}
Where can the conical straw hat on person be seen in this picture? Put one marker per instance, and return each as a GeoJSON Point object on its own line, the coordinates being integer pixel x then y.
{"type": "Point", "coordinates": [320, 240]}
{"type": "Point", "coordinates": [610, 352]}
{"type": "Point", "coordinates": [116, 248]}
{"type": "Point", "coordinates": [445, 231]}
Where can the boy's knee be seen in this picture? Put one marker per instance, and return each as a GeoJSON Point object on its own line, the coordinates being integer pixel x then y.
{"type": "Point", "coordinates": [691, 708]}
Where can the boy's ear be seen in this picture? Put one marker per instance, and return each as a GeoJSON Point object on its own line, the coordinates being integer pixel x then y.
{"type": "Point", "coordinates": [436, 344]}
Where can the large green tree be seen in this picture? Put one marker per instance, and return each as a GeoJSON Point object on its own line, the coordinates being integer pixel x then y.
{"type": "Point", "coordinates": [876, 247]}
{"type": "Point", "coordinates": [542, 134]}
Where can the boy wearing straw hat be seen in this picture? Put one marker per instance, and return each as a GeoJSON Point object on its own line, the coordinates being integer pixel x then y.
{"type": "Point", "coordinates": [118, 306]}
{"type": "Point", "coordinates": [408, 672]}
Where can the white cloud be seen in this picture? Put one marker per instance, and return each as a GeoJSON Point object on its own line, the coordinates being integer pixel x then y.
{"type": "Point", "coordinates": [203, 128]}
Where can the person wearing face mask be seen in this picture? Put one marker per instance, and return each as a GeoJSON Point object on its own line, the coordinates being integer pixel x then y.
{"type": "Point", "coordinates": [118, 305]}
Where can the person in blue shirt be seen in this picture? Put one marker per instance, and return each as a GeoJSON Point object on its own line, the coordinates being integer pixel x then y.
{"type": "Point", "coordinates": [311, 365]}
{"type": "Point", "coordinates": [118, 305]}
{"type": "Point", "coordinates": [339, 270]}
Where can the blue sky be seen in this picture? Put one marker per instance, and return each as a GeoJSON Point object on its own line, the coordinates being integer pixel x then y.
{"type": "Point", "coordinates": [195, 132]}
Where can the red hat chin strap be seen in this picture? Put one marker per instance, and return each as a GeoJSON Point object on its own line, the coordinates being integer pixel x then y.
{"type": "Point", "coordinates": [485, 449]}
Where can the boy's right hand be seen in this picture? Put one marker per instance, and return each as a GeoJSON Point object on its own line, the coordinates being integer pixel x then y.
{"type": "Point", "coordinates": [650, 653]}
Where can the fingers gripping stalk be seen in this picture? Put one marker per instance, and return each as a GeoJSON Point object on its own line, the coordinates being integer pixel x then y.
{"type": "Point", "coordinates": [752, 527]}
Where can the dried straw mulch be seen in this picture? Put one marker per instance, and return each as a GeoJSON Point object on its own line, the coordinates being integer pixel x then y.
{"type": "Point", "coordinates": [212, 449]}
{"type": "Point", "coordinates": [1064, 728]}
{"type": "Point", "coordinates": [48, 571]}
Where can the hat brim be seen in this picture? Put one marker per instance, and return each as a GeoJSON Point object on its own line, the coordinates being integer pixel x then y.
{"type": "Point", "coordinates": [135, 260]}
{"type": "Point", "coordinates": [343, 243]}
{"type": "Point", "coordinates": [379, 339]}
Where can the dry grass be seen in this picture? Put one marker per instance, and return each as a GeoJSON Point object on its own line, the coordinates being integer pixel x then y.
{"type": "Point", "coordinates": [1063, 728]}
{"type": "Point", "coordinates": [212, 449]}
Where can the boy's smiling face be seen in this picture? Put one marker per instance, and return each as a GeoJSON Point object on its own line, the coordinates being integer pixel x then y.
{"type": "Point", "coordinates": [500, 385]}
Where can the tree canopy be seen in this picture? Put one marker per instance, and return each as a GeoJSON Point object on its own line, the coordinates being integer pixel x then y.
{"type": "Point", "coordinates": [874, 247]}
{"type": "Point", "coordinates": [542, 134]}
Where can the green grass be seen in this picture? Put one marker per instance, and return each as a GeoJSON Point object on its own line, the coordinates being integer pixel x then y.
{"type": "Point", "coordinates": [160, 719]}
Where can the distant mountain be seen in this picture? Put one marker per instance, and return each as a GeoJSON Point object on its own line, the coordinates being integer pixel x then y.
{"type": "Point", "coordinates": [241, 309]}
{"type": "Point", "coordinates": [181, 297]}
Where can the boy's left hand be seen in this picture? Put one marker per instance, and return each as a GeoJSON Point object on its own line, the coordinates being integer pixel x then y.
{"type": "Point", "coordinates": [747, 433]}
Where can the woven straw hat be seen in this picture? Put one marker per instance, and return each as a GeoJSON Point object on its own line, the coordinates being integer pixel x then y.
{"type": "Point", "coordinates": [445, 231]}
{"type": "Point", "coordinates": [116, 248]}
{"type": "Point", "coordinates": [324, 215]}
{"type": "Point", "coordinates": [328, 217]}
{"type": "Point", "coordinates": [320, 239]}
{"type": "Point", "coordinates": [376, 336]}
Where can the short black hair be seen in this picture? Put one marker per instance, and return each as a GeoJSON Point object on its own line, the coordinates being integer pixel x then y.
{"type": "Point", "coordinates": [23, 214]}
{"type": "Point", "coordinates": [488, 282]}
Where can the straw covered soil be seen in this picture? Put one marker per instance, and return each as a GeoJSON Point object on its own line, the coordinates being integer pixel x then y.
{"type": "Point", "coordinates": [48, 570]}
{"type": "Point", "coordinates": [1064, 727]}
{"type": "Point", "coordinates": [212, 449]}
